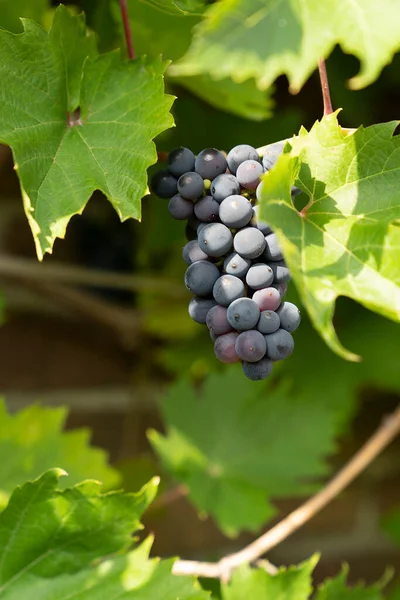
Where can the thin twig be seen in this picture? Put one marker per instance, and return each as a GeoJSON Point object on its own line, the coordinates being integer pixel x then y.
{"type": "Point", "coordinates": [168, 497]}
{"type": "Point", "coordinates": [127, 28]}
{"type": "Point", "coordinates": [326, 96]}
{"type": "Point", "coordinates": [389, 429]}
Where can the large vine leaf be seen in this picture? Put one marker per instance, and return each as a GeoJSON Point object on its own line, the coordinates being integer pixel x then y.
{"type": "Point", "coordinates": [293, 583]}
{"type": "Point", "coordinates": [11, 12]}
{"type": "Point", "coordinates": [226, 444]}
{"type": "Point", "coordinates": [345, 241]}
{"type": "Point", "coordinates": [32, 441]}
{"type": "Point", "coordinates": [77, 122]}
{"type": "Point", "coordinates": [52, 542]}
{"type": "Point", "coordinates": [336, 589]}
{"type": "Point", "coordinates": [264, 39]}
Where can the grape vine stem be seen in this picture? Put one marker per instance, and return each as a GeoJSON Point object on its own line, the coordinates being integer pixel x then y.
{"type": "Point", "coordinates": [222, 569]}
{"type": "Point", "coordinates": [326, 96]}
{"type": "Point", "coordinates": [127, 28]}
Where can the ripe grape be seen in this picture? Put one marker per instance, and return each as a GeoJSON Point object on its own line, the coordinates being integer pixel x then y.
{"type": "Point", "coordinates": [225, 348]}
{"type": "Point", "coordinates": [248, 174]}
{"type": "Point", "coordinates": [199, 307]}
{"type": "Point", "coordinates": [190, 185]}
{"type": "Point", "coordinates": [273, 250]}
{"type": "Point", "coordinates": [257, 222]}
{"type": "Point", "coordinates": [200, 277]}
{"type": "Point", "coordinates": [251, 345]}
{"type": "Point", "coordinates": [228, 288]}
{"type": "Point", "coordinates": [243, 314]}
{"type": "Point", "coordinates": [256, 371]}
{"type": "Point", "coordinates": [163, 184]}
{"type": "Point", "coordinates": [267, 298]}
{"type": "Point", "coordinates": [271, 154]}
{"type": "Point", "coordinates": [223, 186]}
{"type": "Point", "coordinates": [207, 209]}
{"type": "Point", "coordinates": [235, 211]}
{"type": "Point", "coordinates": [209, 163]}
{"type": "Point", "coordinates": [259, 276]}
{"type": "Point", "coordinates": [217, 321]}
{"type": "Point", "coordinates": [249, 242]}
{"type": "Point", "coordinates": [180, 161]}
{"type": "Point", "coordinates": [269, 322]}
{"type": "Point", "coordinates": [279, 344]}
{"type": "Point", "coordinates": [192, 252]}
{"type": "Point", "coordinates": [234, 264]}
{"type": "Point", "coordinates": [280, 271]}
{"type": "Point", "coordinates": [289, 316]}
{"type": "Point", "coordinates": [215, 239]}
{"type": "Point", "coordinates": [239, 154]}
{"type": "Point", "coordinates": [179, 208]}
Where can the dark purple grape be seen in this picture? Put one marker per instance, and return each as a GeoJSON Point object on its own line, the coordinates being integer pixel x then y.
{"type": "Point", "coordinates": [239, 154]}
{"type": "Point", "coordinates": [199, 307]}
{"type": "Point", "coordinates": [248, 174]}
{"type": "Point", "coordinates": [279, 344]}
{"type": "Point", "coordinates": [256, 371]}
{"type": "Point", "coordinates": [269, 322]}
{"type": "Point", "coordinates": [225, 349]}
{"type": "Point", "coordinates": [281, 271]}
{"type": "Point", "coordinates": [289, 316]}
{"type": "Point", "coordinates": [271, 154]}
{"type": "Point", "coordinates": [223, 186]}
{"type": "Point", "coordinates": [228, 288]}
{"type": "Point", "coordinates": [273, 250]}
{"type": "Point", "coordinates": [200, 277]}
{"type": "Point", "coordinates": [190, 185]}
{"type": "Point", "coordinates": [210, 163]}
{"type": "Point", "coordinates": [192, 252]}
{"type": "Point", "coordinates": [243, 314]}
{"type": "Point", "coordinates": [179, 208]}
{"type": "Point", "coordinates": [267, 298]}
{"type": "Point", "coordinates": [215, 239]}
{"type": "Point", "coordinates": [235, 211]}
{"type": "Point", "coordinates": [180, 161]}
{"type": "Point", "coordinates": [251, 345]}
{"type": "Point", "coordinates": [216, 320]}
{"type": "Point", "coordinates": [234, 264]}
{"type": "Point", "coordinates": [163, 184]}
{"type": "Point", "coordinates": [249, 242]}
{"type": "Point", "coordinates": [259, 276]}
{"type": "Point", "coordinates": [207, 209]}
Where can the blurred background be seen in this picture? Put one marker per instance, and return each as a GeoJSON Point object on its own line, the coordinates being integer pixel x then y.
{"type": "Point", "coordinates": [102, 326]}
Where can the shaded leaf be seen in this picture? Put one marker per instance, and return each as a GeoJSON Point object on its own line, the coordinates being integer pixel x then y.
{"type": "Point", "coordinates": [345, 241]}
{"type": "Point", "coordinates": [336, 589]}
{"type": "Point", "coordinates": [391, 525]}
{"type": "Point", "coordinates": [263, 39]}
{"type": "Point", "coordinates": [228, 446]}
{"type": "Point", "coordinates": [33, 441]}
{"type": "Point", "coordinates": [77, 123]}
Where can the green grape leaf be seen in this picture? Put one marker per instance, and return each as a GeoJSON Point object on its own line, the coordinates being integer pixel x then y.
{"type": "Point", "coordinates": [46, 532]}
{"type": "Point", "coordinates": [177, 7]}
{"type": "Point", "coordinates": [292, 583]}
{"type": "Point", "coordinates": [345, 241]}
{"type": "Point", "coordinates": [77, 122]}
{"type": "Point", "coordinates": [263, 39]}
{"type": "Point", "coordinates": [226, 444]}
{"type": "Point", "coordinates": [32, 441]}
{"type": "Point", "coordinates": [336, 589]}
{"type": "Point", "coordinates": [11, 12]}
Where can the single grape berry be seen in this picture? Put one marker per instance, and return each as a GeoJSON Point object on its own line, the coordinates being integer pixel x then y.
{"type": "Point", "coordinates": [192, 252]}
{"type": "Point", "coordinates": [225, 348]}
{"type": "Point", "coordinates": [199, 307]}
{"type": "Point", "coordinates": [243, 314]}
{"type": "Point", "coordinates": [289, 316]}
{"type": "Point", "coordinates": [259, 223]}
{"type": "Point", "coordinates": [271, 154]}
{"type": "Point", "coordinates": [179, 208]}
{"type": "Point", "coordinates": [223, 186]}
{"type": "Point", "coordinates": [180, 161]}
{"type": "Point", "coordinates": [217, 321]}
{"type": "Point", "coordinates": [190, 185]}
{"type": "Point", "coordinates": [215, 239]}
{"type": "Point", "coordinates": [200, 277]}
{"type": "Point", "coordinates": [239, 154]}
{"type": "Point", "coordinates": [256, 371]}
{"type": "Point", "coordinates": [234, 264]}
{"type": "Point", "coordinates": [163, 184]}
{"type": "Point", "coordinates": [259, 276]}
{"type": "Point", "coordinates": [210, 163]}
{"type": "Point", "coordinates": [268, 322]}
{"type": "Point", "coordinates": [235, 211]}
{"type": "Point", "coordinates": [273, 250]}
{"type": "Point", "coordinates": [267, 298]}
{"type": "Point", "coordinates": [207, 209]}
{"type": "Point", "coordinates": [248, 174]}
{"type": "Point", "coordinates": [251, 345]}
{"type": "Point", "coordinates": [228, 288]}
{"type": "Point", "coordinates": [280, 271]}
{"type": "Point", "coordinates": [249, 242]}
{"type": "Point", "coordinates": [279, 344]}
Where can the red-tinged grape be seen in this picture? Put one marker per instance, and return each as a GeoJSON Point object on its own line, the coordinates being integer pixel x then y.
{"type": "Point", "coordinates": [225, 349]}
{"type": "Point", "coordinates": [216, 320]}
{"type": "Point", "coordinates": [267, 298]}
{"type": "Point", "coordinates": [251, 345]}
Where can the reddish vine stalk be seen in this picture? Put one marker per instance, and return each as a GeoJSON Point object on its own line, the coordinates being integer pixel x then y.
{"type": "Point", "coordinates": [127, 28]}
{"type": "Point", "coordinates": [326, 96]}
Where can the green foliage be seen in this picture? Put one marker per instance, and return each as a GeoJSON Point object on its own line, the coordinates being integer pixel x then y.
{"type": "Point", "coordinates": [293, 583]}
{"type": "Point", "coordinates": [263, 39]}
{"type": "Point", "coordinates": [335, 589]}
{"type": "Point", "coordinates": [33, 441]}
{"type": "Point", "coordinates": [11, 12]}
{"type": "Point", "coordinates": [90, 136]}
{"type": "Point", "coordinates": [391, 525]}
{"type": "Point", "coordinates": [227, 446]}
{"type": "Point", "coordinates": [344, 242]}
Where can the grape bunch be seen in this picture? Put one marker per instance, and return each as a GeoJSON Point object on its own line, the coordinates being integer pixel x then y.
{"type": "Point", "coordinates": [236, 270]}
